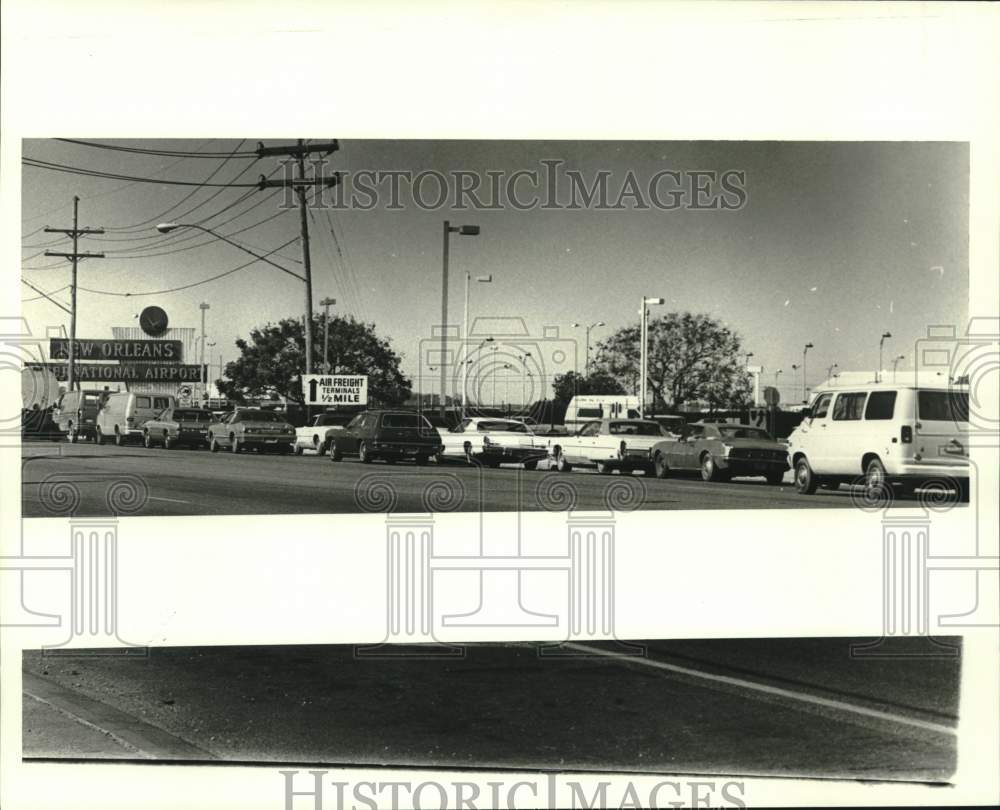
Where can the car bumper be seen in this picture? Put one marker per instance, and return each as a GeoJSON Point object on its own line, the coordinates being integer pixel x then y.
{"type": "Point", "coordinates": [752, 466]}
{"type": "Point", "coordinates": [928, 468]}
{"type": "Point", "coordinates": [405, 450]}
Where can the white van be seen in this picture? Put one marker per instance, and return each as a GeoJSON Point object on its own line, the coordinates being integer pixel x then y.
{"type": "Point", "coordinates": [594, 407]}
{"type": "Point", "coordinates": [124, 413]}
{"type": "Point", "coordinates": [883, 434]}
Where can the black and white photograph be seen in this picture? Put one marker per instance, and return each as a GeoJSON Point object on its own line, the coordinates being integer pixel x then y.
{"type": "Point", "coordinates": [499, 405]}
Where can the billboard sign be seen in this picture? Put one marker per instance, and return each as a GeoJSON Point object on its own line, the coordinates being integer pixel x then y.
{"type": "Point", "coordinates": [335, 389]}
{"type": "Point", "coordinates": [143, 351]}
{"type": "Point", "coordinates": [128, 372]}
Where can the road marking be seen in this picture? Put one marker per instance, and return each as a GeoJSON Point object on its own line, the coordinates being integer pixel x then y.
{"type": "Point", "coordinates": [803, 697]}
{"type": "Point", "coordinates": [171, 500]}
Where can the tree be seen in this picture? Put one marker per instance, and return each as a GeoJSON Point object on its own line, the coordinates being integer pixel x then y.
{"type": "Point", "coordinates": [273, 359]}
{"type": "Point", "coordinates": [691, 357]}
{"type": "Point", "coordinates": [566, 386]}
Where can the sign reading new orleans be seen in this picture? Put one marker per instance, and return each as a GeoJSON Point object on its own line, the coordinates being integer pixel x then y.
{"type": "Point", "coordinates": [146, 351]}
{"type": "Point", "coordinates": [131, 372]}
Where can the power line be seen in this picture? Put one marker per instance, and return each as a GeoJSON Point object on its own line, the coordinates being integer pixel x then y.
{"type": "Point", "coordinates": [193, 284]}
{"type": "Point", "coordinates": [159, 152]}
{"type": "Point", "coordinates": [61, 167]}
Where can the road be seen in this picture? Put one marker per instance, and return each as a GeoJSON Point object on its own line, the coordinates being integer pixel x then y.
{"type": "Point", "coordinates": [737, 707]}
{"type": "Point", "coordinates": [90, 481]}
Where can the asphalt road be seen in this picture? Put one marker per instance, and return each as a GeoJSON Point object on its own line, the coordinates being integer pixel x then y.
{"type": "Point", "coordinates": [59, 479]}
{"type": "Point", "coordinates": [735, 707]}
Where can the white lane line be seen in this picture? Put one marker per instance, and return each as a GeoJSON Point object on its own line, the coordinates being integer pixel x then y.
{"type": "Point", "coordinates": [171, 500]}
{"type": "Point", "coordinates": [804, 697]}
{"type": "Point", "coordinates": [87, 724]}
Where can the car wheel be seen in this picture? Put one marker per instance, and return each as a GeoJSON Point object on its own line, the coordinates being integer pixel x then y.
{"type": "Point", "coordinates": [439, 458]}
{"type": "Point", "coordinates": [775, 478]}
{"type": "Point", "coordinates": [562, 465]}
{"type": "Point", "coordinates": [98, 436]}
{"type": "Point", "coordinates": [234, 444]}
{"type": "Point", "coordinates": [335, 454]}
{"type": "Point", "coordinates": [147, 440]}
{"type": "Point", "coordinates": [363, 454]}
{"type": "Point", "coordinates": [660, 467]}
{"type": "Point", "coordinates": [876, 484]}
{"type": "Point", "coordinates": [168, 443]}
{"type": "Point", "coordinates": [298, 449]}
{"type": "Point", "coordinates": [805, 479]}
{"type": "Point", "coordinates": [604, 468]}
{"type": "Point", "coordinates": [317, 445]}
{"type": "Point", "coordinates": [469, 457]}
{"type": "Point", "coordinates": [119, 439]}
{"type": "Point", "coordinates": [531, 465]}
{"type": "Point", "coordinates": [709, 469]}
{"type": "Point", "coordinates": [213, 445]}
{"type": "Point", "coordinates": [421, 461]}
{"type": "Point", "coordinates": [71, 435]}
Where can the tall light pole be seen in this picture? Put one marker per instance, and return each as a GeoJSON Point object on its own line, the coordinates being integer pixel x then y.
{"type": "Point", "coordinates": [776, 373]}
{"type": "Point", "coordinates": [805, 350]}
{"type": "Point", "coordinates": [449, 229]}
{"type": "Point", "coordinates": [747, 361]}
{"type": "Point", "coordinates": [586, 347]}
{"type": "Point", "coordinates": [795, 368]}
{"type": "Point", "coordinates": [465, 372]}
{"type": "Point", "coordinates": [326, 303]}
{"type": "Point", "coordinates": [895, 362]}
{"type": "Point", "coordinates": [881, 343]}
{"type": "Point", "coordinates": [524, 367]}
{"type": "Point", "coordinates": [465, 329]}
{"type": "Point", "coordinates": [644, 351]}
{"type": "Point", "coordinates": [202, 372]}
{"type": "Point", "coordinates": [829, 371]}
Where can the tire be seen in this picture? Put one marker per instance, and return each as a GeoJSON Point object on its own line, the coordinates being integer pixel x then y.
{"type": "Point", "coordinates": [710, 470]}
{"type": "Point", "coordinates": [363, 454]}
{"type": "Point", "coordinates": [98, 436]}
{"type": "Point", "coordinates": [532, 464]}
{"type": "Point", "coordinates": [774, 479]}
{"type": "Point", "coordinates": [119, 439]}
{"type": "Point", "coordinates": [317, 446]}
{"type": "Point", "coordinates": [213, 445]}
{"type": "Point", "coordinates": [168, 443]}
{"type": "Point", "coordinates": [71, 435]}
{"type": "Point", "coordinates": [234, 444]}
{"type": "Point", "coordinates": [469, 457]}
{"type": "Point", "coordinates": [660, 467]}
{"type": "Point", "coordinates": [298, 450]}
{"type": "Point", "coordinates": [562, 465]}
{"type": "Point", "coordinates": [604, 468]}
{"type": "Point", "coordinates": [335, 454]}
{"type": "Point", "coordinates": [805, 479]}
{"type": "Point", "coordinates": [147, 441]}
{"type": "Point", "coordinates": [875, 479]}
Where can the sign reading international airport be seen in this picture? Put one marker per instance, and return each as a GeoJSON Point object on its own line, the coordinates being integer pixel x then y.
{"type": "Point", "coordinates": [128, 372]}
{"type": "Point", "coordinates": [335, 389]}
{"type": "Point", "coordinates": [147, 351]}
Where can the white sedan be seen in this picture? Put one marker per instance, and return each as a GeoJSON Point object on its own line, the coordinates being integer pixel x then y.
{"type": "Point", "coordinates": [608, 445]}
{"type": "Point", "coordinates": [319, 435]}
{"type": "Point", "coordinates": [492, 442]}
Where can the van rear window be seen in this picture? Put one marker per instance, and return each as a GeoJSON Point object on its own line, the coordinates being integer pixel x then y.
{"type": "Point", "coordinates": [881, 405]}
{"type": "Point", "coordinates": [589, 413]}
{"type": "Point", "coordinates": [943, 406]}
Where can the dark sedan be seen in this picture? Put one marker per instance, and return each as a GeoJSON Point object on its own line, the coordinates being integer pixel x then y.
{"type": "Point", "coordinates": [387, 435]}
{"type": "Point", "coordinates": [720, 451]}
{"type": "Point", "coordinates": [177, 426]}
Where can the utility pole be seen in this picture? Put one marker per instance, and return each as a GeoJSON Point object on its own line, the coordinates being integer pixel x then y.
{"type": "Point", "coordinates": [203, 372]}
{"type": "Point", "coordinates": [75, 232]}
{"type": "Point", "coordinates": [326, 303]}
{"type": "Point", "coordinates": [299, 183]}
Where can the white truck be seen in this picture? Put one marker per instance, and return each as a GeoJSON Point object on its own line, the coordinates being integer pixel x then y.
{"type": "Point", "coordinates": [595, 407]}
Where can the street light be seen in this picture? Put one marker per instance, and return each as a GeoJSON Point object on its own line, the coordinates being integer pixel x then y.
{"type": "Point", "coordinates": [646, 302]}
{"type": "Point", "coordinates": [895, 362]}
{"type": "Point", "coordinates": [449, 229]}
{"type": "Point", "coordinates": [524, 363]}
{"type": "Point", "coordinates": [776, 373]}
{"type": "Point", "coordinates": [805, 349]}
{"type": "Point", "coordinates": [465, 329]}
{"type": "Point", "coordinates": [881, 343]}
{"type": "Point", "coordinates": [202, 373]}
{"type": "Point", "coordinates": [829, 371]}
{"type": "Point", "coordinates": [326, 303]}
{"type": "Point", "coordinates": [747, 362]}
{"type": "Point", "coordinates": [586, 362]}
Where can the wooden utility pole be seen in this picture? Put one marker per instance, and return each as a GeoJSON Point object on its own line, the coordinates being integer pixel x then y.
{"type": "Point", "coordinates": [299, 183]}
{"type": "Point", "coordinates": [75, 232]}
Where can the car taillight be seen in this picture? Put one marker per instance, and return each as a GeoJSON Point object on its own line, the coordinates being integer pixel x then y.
{"type": "Point", "coordinates": [906, 434]}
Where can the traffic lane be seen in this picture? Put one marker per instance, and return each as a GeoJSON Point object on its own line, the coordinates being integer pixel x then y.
{"type": "Point", "coordinates": [914, 676]}
{"type": "Point", "coordinates": [195, 482]}
{"type": "Point", "coordinates": [499, 706]}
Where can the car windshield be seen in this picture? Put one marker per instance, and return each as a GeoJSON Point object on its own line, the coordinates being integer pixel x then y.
{"type": "Point", "coordinates": [258, 416]}
{"type": "Point", "coordinates": [635, 429]}
{"type": "Point", "coordinates": [740, 432]}
{"type": "Point", "coordinates": [192, 415]}
{"type": "Point", "coordinates": [943, 406]}
{"type": "Point", "coordinates": [502, 427]}
{"type": "Point", "coordinates": [404, 420]}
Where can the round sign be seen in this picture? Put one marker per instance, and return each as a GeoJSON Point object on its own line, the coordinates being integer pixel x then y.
{"type": "Point", "coordinates": [771, 396]}
{"type": "Point", "coordinates": [153, 321]}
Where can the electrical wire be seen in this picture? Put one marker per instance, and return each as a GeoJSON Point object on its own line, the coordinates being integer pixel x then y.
{"type": "Point", "coordinates": [61, 167]}
{"type": "Point", "coordinates": [158, 152]}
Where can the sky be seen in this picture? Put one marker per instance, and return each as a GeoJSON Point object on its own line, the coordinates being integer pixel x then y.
{"type": "Point", "coordinates": [836, 243]}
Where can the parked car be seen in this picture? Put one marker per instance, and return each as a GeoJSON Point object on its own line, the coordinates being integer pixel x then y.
{"type": "Point", "coordinates": [607, 444]}
{"type": "Point", "coordinates": [897, 436]}
{"type": "Point", "coordinates": [125, 412]}
{"type": "Point", "coordinates": [319, 435]}
{"type": "Point", "coordinates": [389, 435]}
{"type": "Point", "coordinates": [492, 442]}
{"type": "Point", "coordinates": [177, 426]}
{"type": "Point", "coordinates": [722, 450]}
{"type": "Point", "coordinates": [251, 429]}
{"type": "Point", "coordinates": [75, 414]}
